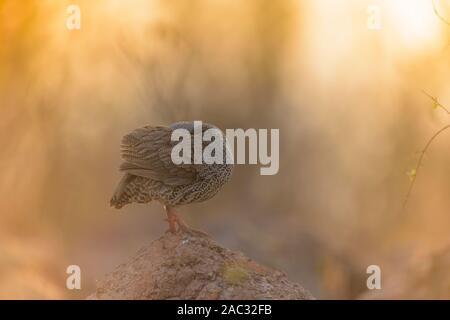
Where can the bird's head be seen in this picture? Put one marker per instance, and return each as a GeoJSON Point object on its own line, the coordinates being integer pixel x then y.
{"type": "Point", "coordinates": [191, 125]}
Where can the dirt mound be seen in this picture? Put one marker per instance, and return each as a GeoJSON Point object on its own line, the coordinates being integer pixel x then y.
{"type": "Point", "coordinates": [185, 266]}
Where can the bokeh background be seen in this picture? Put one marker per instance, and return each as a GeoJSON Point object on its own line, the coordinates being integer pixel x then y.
{"type": "Point", "coordinates": [347, 99]}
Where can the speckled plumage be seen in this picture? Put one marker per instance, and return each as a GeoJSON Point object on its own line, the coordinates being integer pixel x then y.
{"type": "Point", "coordinates": [150, 174]}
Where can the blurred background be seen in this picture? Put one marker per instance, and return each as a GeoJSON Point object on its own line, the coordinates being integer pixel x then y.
{"type": "Point", "coordinates": [346, 97]}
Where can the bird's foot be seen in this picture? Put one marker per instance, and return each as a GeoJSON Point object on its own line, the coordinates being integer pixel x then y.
{"type": "Point", "coordinates": [184, 228]}
{"type": "Point", "coordinates": [174, 219]}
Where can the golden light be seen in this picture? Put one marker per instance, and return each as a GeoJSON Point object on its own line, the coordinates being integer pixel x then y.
{"type": "Point", "coordinates": [413, 22]}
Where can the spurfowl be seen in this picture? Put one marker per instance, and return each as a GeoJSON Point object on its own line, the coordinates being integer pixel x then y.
{"type": "Point", "coordinates": [150, 174]}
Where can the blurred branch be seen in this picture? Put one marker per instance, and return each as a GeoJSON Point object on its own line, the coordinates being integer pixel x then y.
{"type": "Point", "coordinates": [436, 103]}
{"type": "Point", "coordinates": [413, 173]}
{"type": "Point", "coordinates": [168, 97]}
{"type": "Point", "coordinates": [438, 14]}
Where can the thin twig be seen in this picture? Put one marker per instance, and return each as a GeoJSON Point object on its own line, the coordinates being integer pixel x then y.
{"type": "Point", "coordinates": [419, 163]}
{"type": "Point", "coordinates": [414, 172]}
{"type": "Point", "coordinates": [438, 14]}
{"type": "Point", "coordinates": [437, 104]}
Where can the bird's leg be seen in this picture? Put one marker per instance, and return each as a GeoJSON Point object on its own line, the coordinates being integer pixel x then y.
{"type": "Point", "coordinates": [171, 218]}
{"type": "Point", "coordinates": [182, 225]}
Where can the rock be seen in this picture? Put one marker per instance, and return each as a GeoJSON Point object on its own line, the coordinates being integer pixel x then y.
{"type": "Point", "coordinates": [186, 266]}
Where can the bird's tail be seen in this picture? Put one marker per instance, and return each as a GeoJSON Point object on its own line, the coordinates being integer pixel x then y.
{"type": "Point", "coordinates": [120, 197]}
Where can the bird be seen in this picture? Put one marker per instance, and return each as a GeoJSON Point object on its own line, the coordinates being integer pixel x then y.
{"type": "Point", "coordinates": [149, 174]}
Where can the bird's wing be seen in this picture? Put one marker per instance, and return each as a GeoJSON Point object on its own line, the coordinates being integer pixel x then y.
{"type": "Point", "coordinates": [147, 153]}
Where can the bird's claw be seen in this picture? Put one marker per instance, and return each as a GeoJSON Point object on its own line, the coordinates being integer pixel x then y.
{"type": "Point", "coordinates": [173, 220]}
